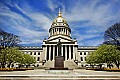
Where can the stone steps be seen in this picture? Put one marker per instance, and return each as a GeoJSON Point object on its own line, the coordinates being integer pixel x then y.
{"type": "Point", "coordinates": [61, 77]}
{"type": "Point", "coordinates": [49, 64]}
{"type": "Point", "coordinates": [71, 64]}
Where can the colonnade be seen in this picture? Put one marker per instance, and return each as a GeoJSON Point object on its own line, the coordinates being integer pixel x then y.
{"type": "Point", "coordinates": [69, 52]}
{"type": "Point", "coordinates": [55, 31]}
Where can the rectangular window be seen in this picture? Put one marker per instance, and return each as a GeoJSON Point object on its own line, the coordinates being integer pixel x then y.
{"type": "Point", "coordinates": [34, 53]}
{"type": "Point", "coordinates": [81, 58]}
{"type": "Point", "coordinates": [80, 53]}
{"type": "Point", "coordinates": [38, 53]}
{"type": "Point", "coordinates": [38, 59]}
{"type": "Point", "coordinates": [30, 53]}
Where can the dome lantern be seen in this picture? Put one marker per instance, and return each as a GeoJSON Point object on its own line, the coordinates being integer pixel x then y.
{"type": "Point", "coordinates": [60, 13]}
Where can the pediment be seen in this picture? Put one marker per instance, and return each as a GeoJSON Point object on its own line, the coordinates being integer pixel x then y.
{"type": "Point", "coordinates": [62, 39]}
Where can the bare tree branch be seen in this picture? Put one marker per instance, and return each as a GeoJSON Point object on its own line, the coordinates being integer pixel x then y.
{"type": "Point", "coordinates": [112, 35]}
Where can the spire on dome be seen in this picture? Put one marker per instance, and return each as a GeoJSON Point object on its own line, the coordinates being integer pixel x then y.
{"type": "Point", "coordinates": [59, 13]}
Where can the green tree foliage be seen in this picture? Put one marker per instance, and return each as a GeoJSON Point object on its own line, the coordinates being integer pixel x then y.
{"type": "Point", "coordinates": [105, 54]}
{"type": "Point", "coordinates": [11, 55]}
{"type": "Point", "coordinates": [28, 59]}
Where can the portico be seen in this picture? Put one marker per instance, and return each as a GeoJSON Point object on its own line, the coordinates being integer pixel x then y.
{"type": "Point", "coordinates": [68, 51]}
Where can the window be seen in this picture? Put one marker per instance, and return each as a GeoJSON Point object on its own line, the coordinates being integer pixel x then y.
{"type": "Point", "coordinates": [38, 53]}
{"type": "Point", "coordinates": [84, 53]}
{"type": "Point", "coordinates": [38, 58]}
{"type": "Point", "coordinates": [81, 58]}
{"type": "Point", "coordinates": [34, 53]}
{"type": "Point", "coordinates": [80, 53]}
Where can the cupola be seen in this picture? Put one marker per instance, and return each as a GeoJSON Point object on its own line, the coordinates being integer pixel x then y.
{"type": "Point", "coordinates": [59, 26]}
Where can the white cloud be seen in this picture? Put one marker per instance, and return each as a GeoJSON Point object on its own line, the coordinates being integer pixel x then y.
{"type": "Point", "coordinates": [24, 25]}
{"type": "Point", "coordinates": [97, 16]}
{"type": "Point", "coordinates": [51, 5]}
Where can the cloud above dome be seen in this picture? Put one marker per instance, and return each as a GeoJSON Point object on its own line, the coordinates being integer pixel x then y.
{"type": "Point", "coordinates": [31, 19]}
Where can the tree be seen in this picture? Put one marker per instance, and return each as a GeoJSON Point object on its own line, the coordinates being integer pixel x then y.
{"type": "Point", "coordinates": [8, 39]}
{"type": "Point", "coordinates": [11, 55]}
{"type": "Point", "coordinates": [28, 59]}
{"type": "Point", "coordinates": [7, 53]}
{"type": "Point", "coordinates": [105, 54]}
{"type": "Point", "coordinates": [112, 35]}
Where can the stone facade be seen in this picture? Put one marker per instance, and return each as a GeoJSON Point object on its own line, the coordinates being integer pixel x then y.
{"type": "Point", "coordinates": [45, 55]}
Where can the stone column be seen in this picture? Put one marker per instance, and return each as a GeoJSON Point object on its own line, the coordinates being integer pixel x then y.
{"type": "Point", "coordinates": [49, 52]}
{"type": "Point", "coordinates": [59, 30]}
{"type": "Point", "coordinates": [37, 54]}
{"type": "Point", "coordinates": [76, 54]}
{"type": "Point", "coordinates": [73, 53]}
{"type": "Point", "coordinates": [51, 32]}
{"type": "Point", "coordinates": [54, 31]}
{"type": "Point", "coordinates": [53, 52]}
{"type": "Point", "coordinates": [62, 50]}
{"type": "Point", "coordinates": [65, 31]}
{"type": "Point", "coordinates": [45, 52]}
{"type": "Point", "coordinates": [41, 56]}
{"type": "Point", "coordinates": [57, 50]}
{"type": "Point", "coordinates": [69, 52]}
{"type": "Point", "coordinates": [65, 52]}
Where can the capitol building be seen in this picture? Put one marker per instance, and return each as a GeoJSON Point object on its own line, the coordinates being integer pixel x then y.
{"type": "Point", "coordinates": [74, 56]}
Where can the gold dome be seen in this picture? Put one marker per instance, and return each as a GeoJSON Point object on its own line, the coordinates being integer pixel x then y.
{"type": "Point", "coordinates": [59, 21]}
{"type": "Point", "coordinates": [59, 26]}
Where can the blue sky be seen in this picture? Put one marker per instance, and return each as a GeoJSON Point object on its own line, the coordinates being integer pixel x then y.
{"type": "Point", "coordinates": [31, 19]}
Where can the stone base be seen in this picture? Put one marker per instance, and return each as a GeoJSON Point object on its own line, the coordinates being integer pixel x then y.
{"type": "Point", "coordinates": [59, 62]}
{"type": "Point", "coordinates": [58, 68]}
